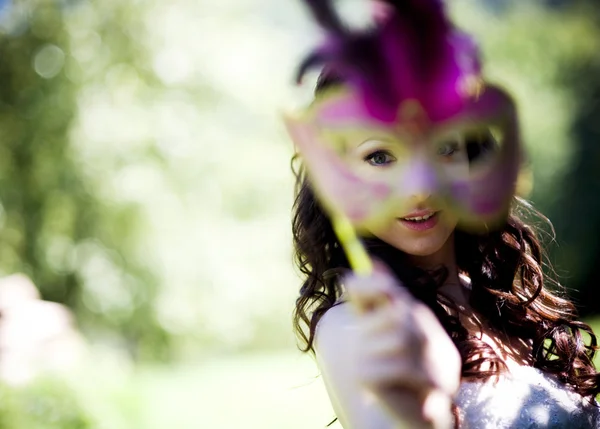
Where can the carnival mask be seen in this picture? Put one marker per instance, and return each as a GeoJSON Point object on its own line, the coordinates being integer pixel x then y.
{"type": "Point", "coordinates": [410, 114]}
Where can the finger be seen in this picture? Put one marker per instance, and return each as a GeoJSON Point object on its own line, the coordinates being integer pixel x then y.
{"type": "Point", "coordinates": [379, 374]}
{"type": "Point", "coordinates": [425, 409]}
{"type": "Point", "coordinates": [384, 319]}
{"type": "Point", "coordinates": [437, 406]}
{"type": "Point", "coordinates": [425, 320]}
{"type": "Point", "coordinates": [406, 405]}
{"type": "Point", "coordinates": [436, 343]}
{"type": "Point", "coordinates": [388, 281]}
{"type": "Point", "coordinates": [390, 319]}
{"type": "Point", "coordinates": [368, 293]}
{"type": "Point", "coordinates": [392, 345]}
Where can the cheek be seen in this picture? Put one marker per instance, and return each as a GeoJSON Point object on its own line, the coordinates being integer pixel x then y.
{"type": "Point", "coordinates": [448, 220]}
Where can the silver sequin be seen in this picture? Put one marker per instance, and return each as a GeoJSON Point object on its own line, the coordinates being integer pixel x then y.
{"type": "Point", "coordinates": [527, 398]}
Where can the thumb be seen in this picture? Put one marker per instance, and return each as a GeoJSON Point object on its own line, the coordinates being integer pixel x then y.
{"type": "Point", "coordinates": [370, 292]}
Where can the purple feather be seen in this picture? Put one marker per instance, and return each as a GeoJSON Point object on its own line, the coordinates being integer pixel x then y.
{"type": "Point", "coordinates": [412, 53]}
{"type": "Point", "coordinates": [324, 13]}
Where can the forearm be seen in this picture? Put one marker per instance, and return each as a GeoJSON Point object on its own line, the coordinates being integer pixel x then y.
{"type": "Point", "coordinates": [408, 409]}
{"type": "Point", "coordinates": [396, 410]}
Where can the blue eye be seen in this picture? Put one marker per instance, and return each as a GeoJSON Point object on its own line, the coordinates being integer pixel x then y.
{"type": "Point", "coordinates": [380, 158]}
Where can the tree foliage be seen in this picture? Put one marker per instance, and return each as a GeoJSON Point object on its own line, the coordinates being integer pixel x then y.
{"type": "Point", "coordinates": [46, 404]}
{"type": "Point", "coordinates": [55, 225]}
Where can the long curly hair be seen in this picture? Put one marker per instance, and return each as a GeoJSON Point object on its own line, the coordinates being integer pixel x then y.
{"type": "Point", "coordinates": [508, 286]}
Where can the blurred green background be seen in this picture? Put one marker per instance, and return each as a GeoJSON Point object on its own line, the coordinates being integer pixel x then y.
{"type": "Point", "coordinates": [145, 184]}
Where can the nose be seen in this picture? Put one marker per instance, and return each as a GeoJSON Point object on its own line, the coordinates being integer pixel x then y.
{"type": "Point", "coordinates": [421, 180]}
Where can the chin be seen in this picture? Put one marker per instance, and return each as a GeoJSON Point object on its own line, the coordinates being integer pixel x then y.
{"type": "Point", "coordinates": [418, 249]}
{"type": "Point", "coordinates": [423, 246]}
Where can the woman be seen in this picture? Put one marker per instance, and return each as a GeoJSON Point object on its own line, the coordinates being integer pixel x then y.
{"type": "Point", "coordinates": [454, 327]}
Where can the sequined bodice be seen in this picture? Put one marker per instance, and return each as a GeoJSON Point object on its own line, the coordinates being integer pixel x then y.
{"type": "Point", "coordinates": [525, 399]}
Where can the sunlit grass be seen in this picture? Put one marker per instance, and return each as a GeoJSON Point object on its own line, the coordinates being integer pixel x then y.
{"type": "Point", "coordinates": [269, 390]}
{"type": "Point", "coordinates": [278, 390]}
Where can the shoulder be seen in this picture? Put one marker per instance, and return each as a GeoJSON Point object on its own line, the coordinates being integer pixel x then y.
{"type": "Point", "coordinates": [336, 333]}
{"type": "Point", "coordinates": [335, 350]}
{"type": "Point", "coordinates": [336, 346]}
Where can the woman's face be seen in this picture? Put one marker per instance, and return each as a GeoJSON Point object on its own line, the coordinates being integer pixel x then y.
{"type": "Point", "coordinates": [410, 159]}
{"type": "Point", "coordinates": [410, 181]}
{"type": "Point", "coordinates": [424, 224]}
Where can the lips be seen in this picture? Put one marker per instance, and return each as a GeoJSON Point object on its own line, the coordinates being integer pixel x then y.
{"type": "Point", "coordinates": [421, 215]}
{"type": "Point", "coordinates": [420, 220]}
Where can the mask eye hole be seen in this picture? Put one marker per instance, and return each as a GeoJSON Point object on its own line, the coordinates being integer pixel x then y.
{"type": "Point", "coordinates": [481, 143]}
{"type": "Point", "coordinates": [448, 148]}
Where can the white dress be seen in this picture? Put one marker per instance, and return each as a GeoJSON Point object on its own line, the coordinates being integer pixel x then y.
{"type": "Point", "coordinates": [526, 398]}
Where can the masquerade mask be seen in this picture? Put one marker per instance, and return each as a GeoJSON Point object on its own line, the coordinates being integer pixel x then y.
{"type": "Point", "coordinates": [369, 170]}
{"type": "Point", "coordinates": [411, 117]}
